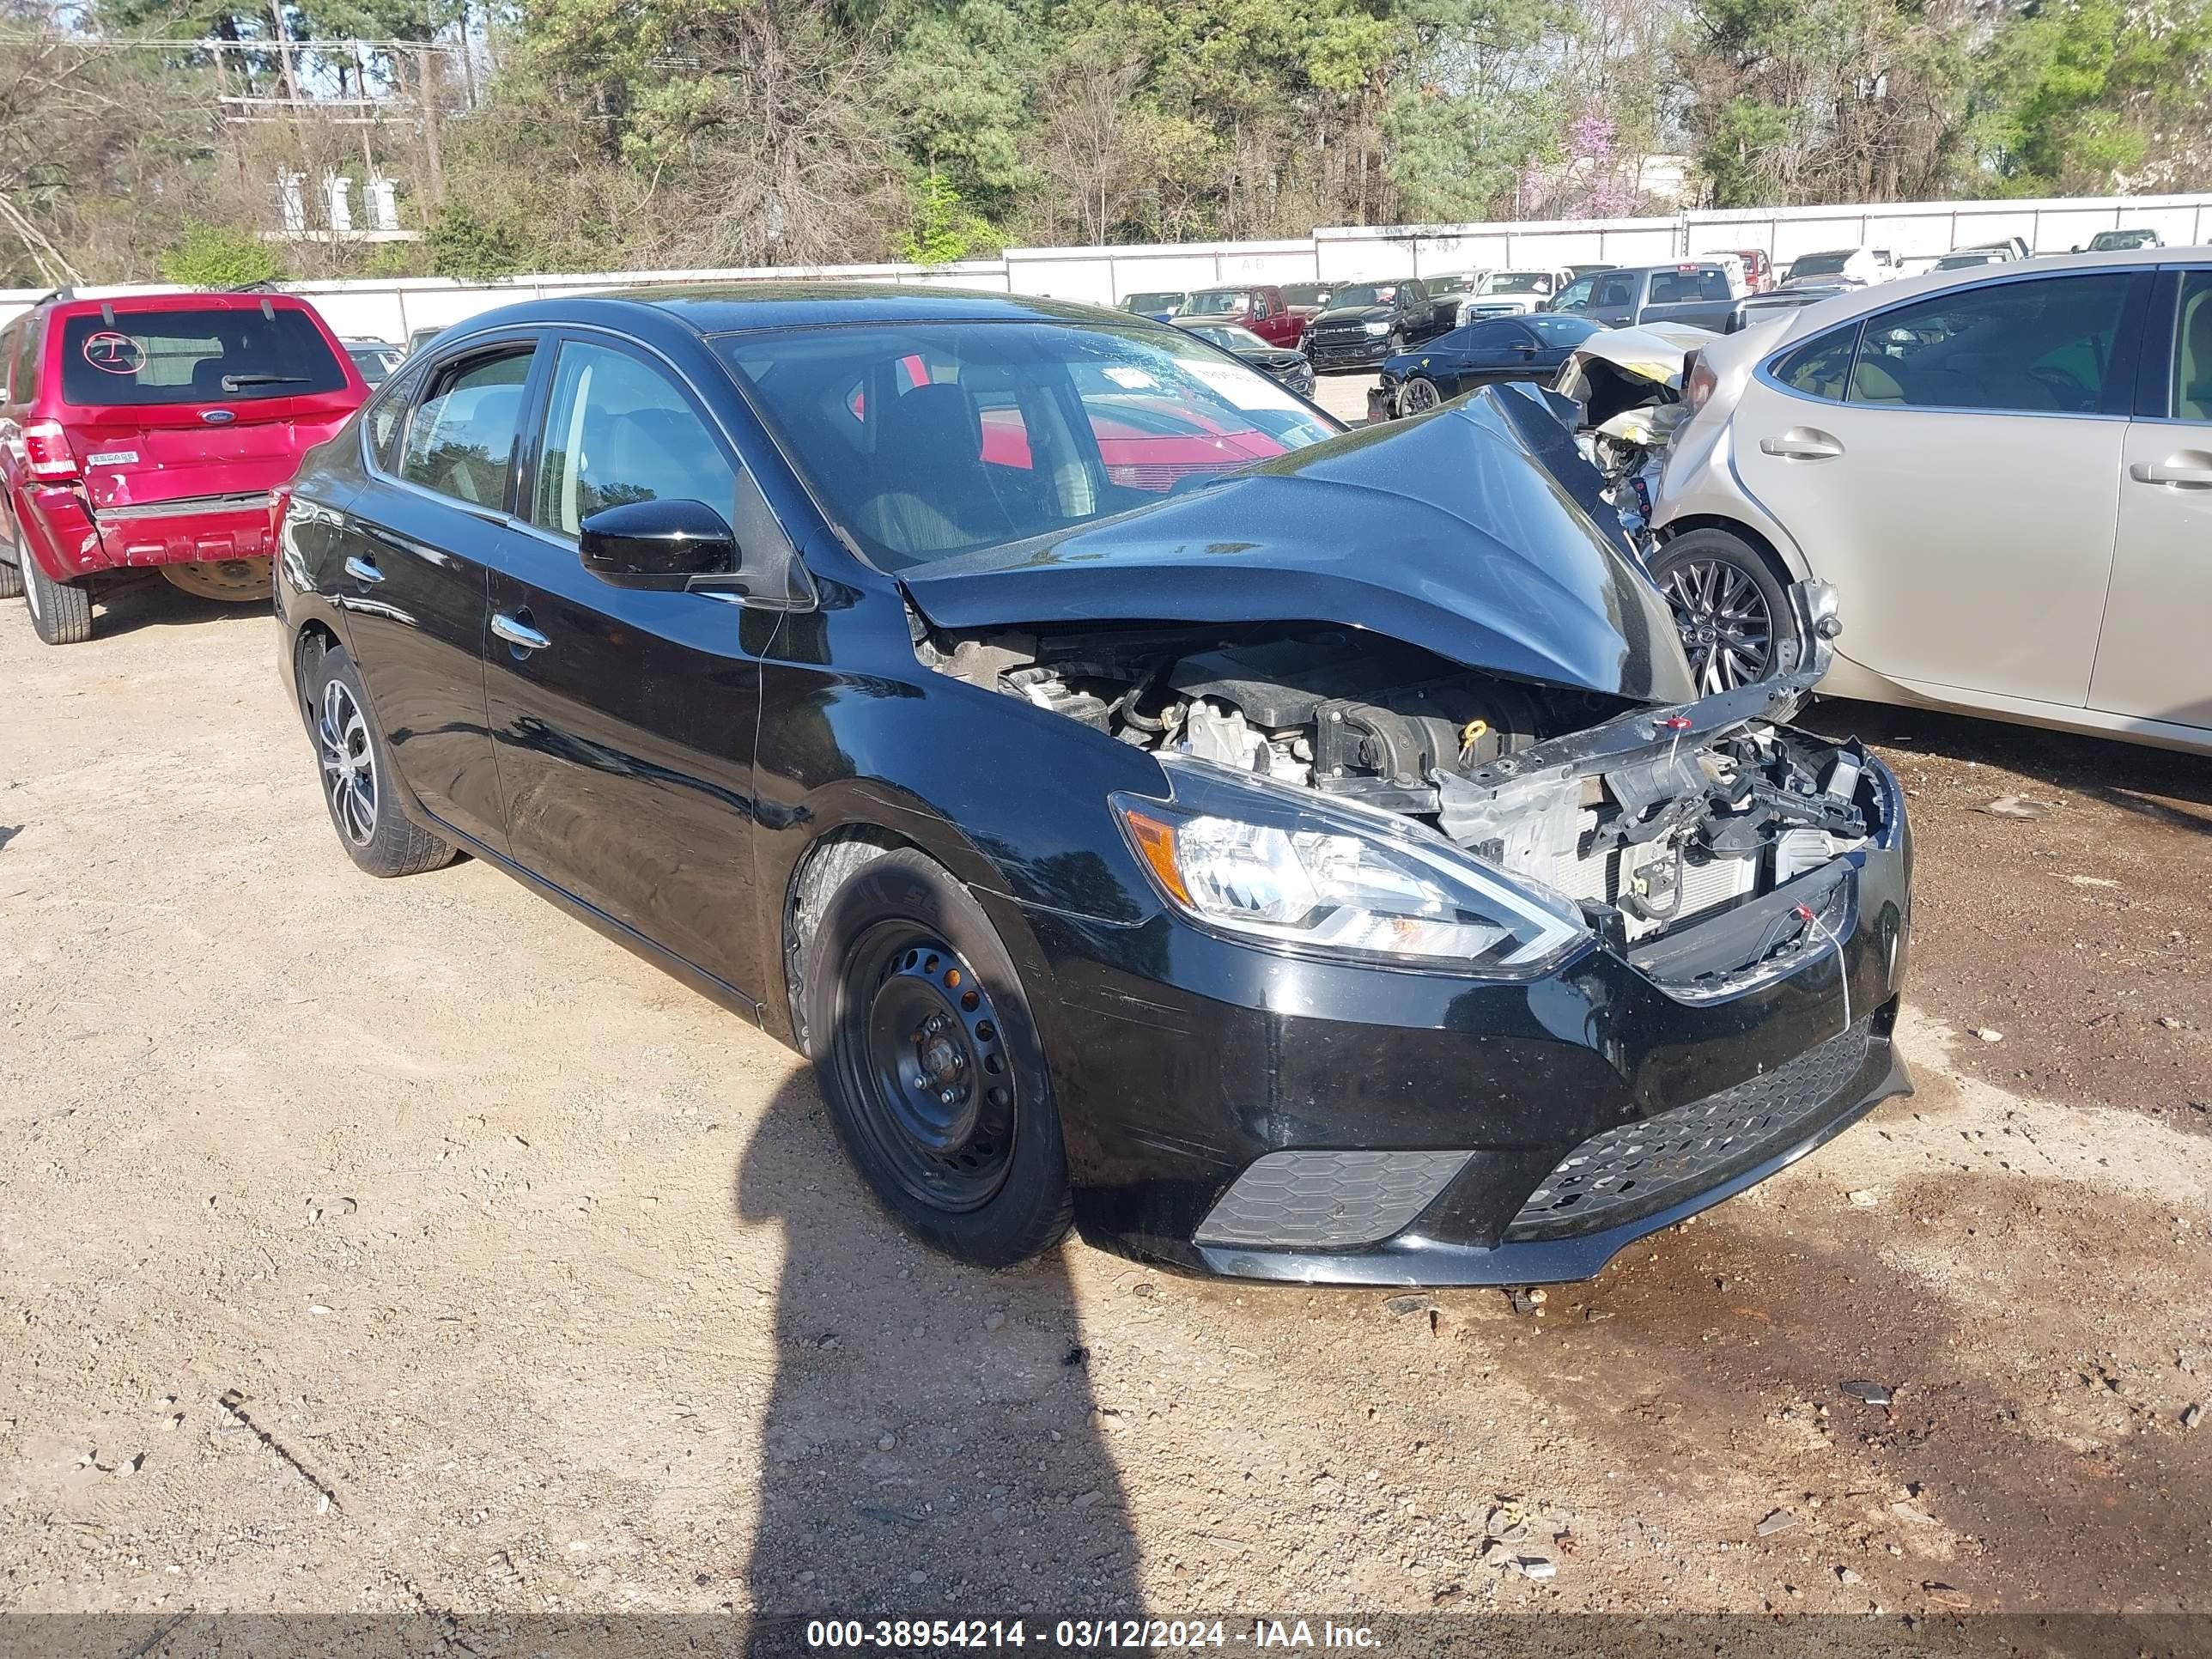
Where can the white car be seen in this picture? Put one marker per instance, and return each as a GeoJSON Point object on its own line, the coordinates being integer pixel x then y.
{"type": "Point", "coordinates": [2005, 473]}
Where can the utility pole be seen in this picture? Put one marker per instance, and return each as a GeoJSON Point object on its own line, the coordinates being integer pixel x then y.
{"type": "Point", "coordinates": [284, 55]}
{"type": "Point", "coordinates": [432, 153]}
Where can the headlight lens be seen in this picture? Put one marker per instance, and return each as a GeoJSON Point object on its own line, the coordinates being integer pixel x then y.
{"type": "Point", "coordinates": [1255, 860]}
{"type": "Point", "coordinates": [1377, 328]}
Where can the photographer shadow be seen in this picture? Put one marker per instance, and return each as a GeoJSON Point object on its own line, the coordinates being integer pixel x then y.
{"type": "Point", "coordinates": [931, 1445]}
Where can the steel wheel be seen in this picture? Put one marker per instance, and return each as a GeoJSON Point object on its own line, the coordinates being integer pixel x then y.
{"type": "Point", "coordinates": [233, 581]}
{"type": "Point", "coordinates": [349, 764]}
{"type": "Point", "coordinates": [918, 1047]}
{"type": "Point", "coordinates": [1727, 628]}
{"type": "Point", "coordinates": [1421, 396]}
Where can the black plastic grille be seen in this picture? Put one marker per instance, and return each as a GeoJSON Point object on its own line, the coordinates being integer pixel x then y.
{"type": "Point", "coordinates": [1638, 1169]}
{"type": "Point", "coordinates": [1313, 1201]}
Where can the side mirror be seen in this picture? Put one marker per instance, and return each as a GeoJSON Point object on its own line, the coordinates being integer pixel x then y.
{"type": "Point", "coordinates": [657, 544]}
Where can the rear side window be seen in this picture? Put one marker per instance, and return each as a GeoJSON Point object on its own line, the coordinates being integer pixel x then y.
{"type": "Point", "coordinates": [2192, 355]}
{"type": "Point", "coordinates": [2039, 347]}
{"type": "Point", "coordinates": [387, 421]}
{"type": "Point", "coordinates": [1615, 291]}
{"type": "Point", "coordinates": [1821, 367]}
{"type": "Point", "coordinates": [461, 437]}
{"type": "Point", "coordinates": [195, 356]}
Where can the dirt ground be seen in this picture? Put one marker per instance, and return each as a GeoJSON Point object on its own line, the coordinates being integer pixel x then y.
{"type": "Point", "coordinates": [378, 1246]}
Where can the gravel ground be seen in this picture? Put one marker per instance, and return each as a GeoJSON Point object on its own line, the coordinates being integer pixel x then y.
{"type": "Point", "coordinates": [379, 1246]}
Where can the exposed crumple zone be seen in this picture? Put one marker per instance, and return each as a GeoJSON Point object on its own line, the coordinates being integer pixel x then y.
{"type": "Point", "coordinates": [1642, 817]}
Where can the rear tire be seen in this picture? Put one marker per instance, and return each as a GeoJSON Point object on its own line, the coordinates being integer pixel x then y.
{"type": "Point", "coordinates": [360, 787]}
{"type": "Point", "coordinates": [931, 1064]}
{"type": "Point", "coordinates": [61, 612]}
{"type": "Point", "coordinates": [11, 567]}
{"type": "Point", "coordinates": [1730, 604]}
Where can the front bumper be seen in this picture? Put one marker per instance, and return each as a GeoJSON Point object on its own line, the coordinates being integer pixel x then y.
{"type": "Point", "coordinates": [1237, 1113]}
{"type": "Point", "coordinates": [1366, 352]}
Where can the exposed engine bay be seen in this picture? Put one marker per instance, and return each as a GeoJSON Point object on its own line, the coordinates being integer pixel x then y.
{"type": "Point", "coordinates": [1642, 816]}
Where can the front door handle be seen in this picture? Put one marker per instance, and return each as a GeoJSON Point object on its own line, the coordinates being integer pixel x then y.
{"type": "Point", "coordinates": [2165, 473]}
{"type": "Point", "coordinates": [1801, 443]}
{"type": "Point", "coordinates": [517, 632]}
{"type": "Point", "coordinates": [362, 570]}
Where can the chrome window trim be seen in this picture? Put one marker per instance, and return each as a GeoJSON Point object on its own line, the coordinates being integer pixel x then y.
{"type": "Point", "coordinates": [1763, 371]}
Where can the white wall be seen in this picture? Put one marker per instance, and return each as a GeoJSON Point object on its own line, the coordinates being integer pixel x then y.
{"type": "Point", "coordinates": [1918, 231]}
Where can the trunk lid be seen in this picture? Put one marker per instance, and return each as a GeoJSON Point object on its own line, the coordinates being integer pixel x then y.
{"type": "Point", "coordinates": [183, 400]}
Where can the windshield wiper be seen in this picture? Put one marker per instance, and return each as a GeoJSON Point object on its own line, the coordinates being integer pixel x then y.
{"type": "Point", "coordinates": [234, 382]}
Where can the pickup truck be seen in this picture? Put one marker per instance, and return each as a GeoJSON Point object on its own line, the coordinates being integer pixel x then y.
{"type": "Point", "coordinates": [1260, 308]}
{"type": "Point", "coordinates": [1696, 291]}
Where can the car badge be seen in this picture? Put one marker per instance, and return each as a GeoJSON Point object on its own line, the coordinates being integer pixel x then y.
{"type": "Point", "coordinates": [218, 417]}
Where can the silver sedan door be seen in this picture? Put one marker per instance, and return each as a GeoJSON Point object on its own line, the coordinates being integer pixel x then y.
{"type": "Point", "coordinates": [1953, 464]}
{"type": "Point", "coordinates": [2152, 659]}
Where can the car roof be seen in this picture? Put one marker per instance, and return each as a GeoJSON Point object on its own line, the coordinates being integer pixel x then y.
{"type": "Point", "coordinates": [736, 308]}
{"type": "Point", "coordinates": [1823, 314]}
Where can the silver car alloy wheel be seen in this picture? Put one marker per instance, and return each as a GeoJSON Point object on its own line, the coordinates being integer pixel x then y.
{"type": "Point", "coordinates": [349, 764]}
{"type": "Point", "coordinates": [1420, 397]}
{"type": "Point", "coordinates": [1727, 629]}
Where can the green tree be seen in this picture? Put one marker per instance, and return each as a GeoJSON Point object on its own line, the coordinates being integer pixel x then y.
{"type": "Point", "coordinates": [218, 256]}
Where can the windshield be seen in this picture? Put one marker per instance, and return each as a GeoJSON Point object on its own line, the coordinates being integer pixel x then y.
{"type": "Point", "coordinates": [1229, 337]}
{"type": "Point", "coordinates": [2116, 241]}
{"type": "Point", "coordinates": [925, 440]}
{"type": "Point", "coordinates": [1819, 265]}
{"type": "Point", "coordinates": [188, 356]}
{"type": "Point", "coordinates": [1367, 293]}
{"type": "Point", "coordinates": [1518, 281]}
{"type": "Point", "coordinates": [1164, 302]}
{"type": "Point", "coordinates": [1306, 294]}
{"type": "Point", "coordinates": [1466, 283]}
{"type": "Point", "coordinates": [1218, 302]}
{"type": "Point", "coordinates": [376, 362]}
{"type": "Point", "coordinates": [1960, 261]}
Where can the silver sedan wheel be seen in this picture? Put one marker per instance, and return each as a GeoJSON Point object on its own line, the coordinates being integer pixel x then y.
{"type": "Point", "coordinates": [1727, 629]}
{"type": "Point", "coordinates": [349, 764]}
{"type": "Point", "coordinates": [1420, 396]}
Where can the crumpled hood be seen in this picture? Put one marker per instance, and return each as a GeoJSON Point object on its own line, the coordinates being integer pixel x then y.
{"type": "Point", "coordinates": [1459, 532]}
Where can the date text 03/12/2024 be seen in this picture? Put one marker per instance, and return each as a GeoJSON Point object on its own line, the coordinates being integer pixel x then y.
{"type": "Point", "coordinates": [1090, 1635]}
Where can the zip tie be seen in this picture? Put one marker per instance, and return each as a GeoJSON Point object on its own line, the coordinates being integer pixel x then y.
{"type": "Point", "coordinates": [1804, 913]}
{"type": "Point", "coordinates": [1677, 724]}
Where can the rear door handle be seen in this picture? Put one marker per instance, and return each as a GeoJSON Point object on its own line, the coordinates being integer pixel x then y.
{"type": "Point", "coordinates": [362, 570]}
{"type": "Point", "coordinates": [517, 632]}
{"type": "Point", "coordinates": [1801, 443]}
{"type": "Point", "coordinates": [2165, 472]}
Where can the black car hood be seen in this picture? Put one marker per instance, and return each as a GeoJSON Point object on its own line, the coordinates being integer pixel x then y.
{"type": "Point", "coordinates": [1467, 532]}
{"type": "Point", "coordinates": [1356, 314]}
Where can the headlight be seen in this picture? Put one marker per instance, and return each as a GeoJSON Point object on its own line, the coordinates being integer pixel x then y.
{"type": "Point", "coordinates": [1376, 328]}
{"type": "Point", "coordinates": [1260, 861]}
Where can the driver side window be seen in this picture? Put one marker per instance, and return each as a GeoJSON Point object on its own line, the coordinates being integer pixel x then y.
{"type": "Point", "coordinates": [1575, 295]}
{"type": "Point", "coordinates": [2042, 346]}
{"type": "Point", "coordinates": [617, 431]}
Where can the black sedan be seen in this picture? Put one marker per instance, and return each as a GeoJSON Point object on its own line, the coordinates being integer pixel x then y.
{"type": "Point", "coordinates": [1278, 363]}
{"type": "Point", "coordinates": [1277, 851]}
{"type": "Point", "coordinates": [1486, 353]}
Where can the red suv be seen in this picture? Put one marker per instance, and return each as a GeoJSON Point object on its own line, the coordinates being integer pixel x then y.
{"type": "Point", "coordinates": [156, 429]}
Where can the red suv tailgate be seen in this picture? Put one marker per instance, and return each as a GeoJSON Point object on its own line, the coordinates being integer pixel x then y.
{"type": "Point", "coordinates": [189, 402]}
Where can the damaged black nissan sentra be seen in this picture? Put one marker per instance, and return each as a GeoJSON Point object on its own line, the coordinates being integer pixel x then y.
{"type": "Point", "coordinates": [1282, 852]}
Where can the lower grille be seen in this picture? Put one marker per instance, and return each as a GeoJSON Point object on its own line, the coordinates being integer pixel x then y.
{"type": "Point", "coordinates": [1639, 1169]}
{"type": "Point", "coordinates": [1314, 1200]}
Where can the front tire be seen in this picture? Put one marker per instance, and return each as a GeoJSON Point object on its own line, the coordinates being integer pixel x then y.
{"type": "Point", "coordinates": [61, 612]}
{"type": "Point", "coordinates": [931, 1065]}
{"type": "Point", "coordinates": [1420, 396]}
{"type": "Point", "coordinates": [1729, 605]}
{"type": "Point", "coordinates": [359, 784]}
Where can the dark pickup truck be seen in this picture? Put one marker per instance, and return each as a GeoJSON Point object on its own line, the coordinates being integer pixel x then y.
{"type": "Point", "coordinates": [1691, 292]}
